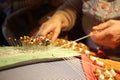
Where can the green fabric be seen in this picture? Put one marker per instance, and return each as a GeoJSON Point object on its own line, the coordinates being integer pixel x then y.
{"type": "Point", "coordinates": [12, 55]}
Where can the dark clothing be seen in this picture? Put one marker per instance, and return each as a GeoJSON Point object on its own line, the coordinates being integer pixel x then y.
{"type": "Point", "coordinates": [2, 18]}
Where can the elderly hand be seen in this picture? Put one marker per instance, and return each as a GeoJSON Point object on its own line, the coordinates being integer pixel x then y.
{"type": "Point", "coordinates": [55, 24]}
{"type": "Point", "coordinates": [107, 34]}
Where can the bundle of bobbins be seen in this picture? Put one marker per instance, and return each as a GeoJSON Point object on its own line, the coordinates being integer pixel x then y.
{"type": "Point", "coordinates": [109, 68]}
{"type": "Point", "coordinates": [106, 74]}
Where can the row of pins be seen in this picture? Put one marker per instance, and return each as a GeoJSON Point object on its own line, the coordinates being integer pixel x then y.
{"type": "Point", "coordinates": [26, 40]}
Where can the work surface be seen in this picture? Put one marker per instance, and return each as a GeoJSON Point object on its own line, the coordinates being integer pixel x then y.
{"type": "Point", "coordinates": [52, 70]}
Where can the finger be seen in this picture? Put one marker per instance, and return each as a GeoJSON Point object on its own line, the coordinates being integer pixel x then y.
{"type": "Point", "coordinates": [44, 29]}
{"type": "Point", "coordinates": [102, 39]}
{"type": "Point", "coordinates": [100, 35]}
{"type": "Point", "coordinates": [102, 26]}
{"type": "Point", "coordinates": [56, 34]}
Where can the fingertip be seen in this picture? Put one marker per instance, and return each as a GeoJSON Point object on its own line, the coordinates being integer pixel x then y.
{"type": "Point", "coordinates": [54, 38]}
{"type": "Point", "coordinates": [90, 34]}
{"type": "Point", "coordinates": [55, 35]}
{"type": "Point", "coordinates": [43, 31]}
{"type": "Point", "coordinates": [95, 27]}
{"type": "Point", "coordinates": [93, 33]}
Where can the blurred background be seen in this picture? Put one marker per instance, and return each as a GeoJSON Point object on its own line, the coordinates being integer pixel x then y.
{"type": "Point", "coordinates": [24, 17]}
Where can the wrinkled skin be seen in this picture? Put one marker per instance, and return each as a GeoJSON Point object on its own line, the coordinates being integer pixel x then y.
{"type": "Point", "coordinates": [107, 34]}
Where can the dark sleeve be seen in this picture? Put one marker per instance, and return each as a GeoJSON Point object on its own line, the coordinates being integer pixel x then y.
{"type": "Point", "coordinates": [73, 8]}
{"type": "Point", "coordinates": [75, 5]}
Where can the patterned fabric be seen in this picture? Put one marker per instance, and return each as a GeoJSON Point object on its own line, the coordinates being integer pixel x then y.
{"type": "Point", "coordinates": [97, 16]}
{"type": "Point", "coordinates": [111, 10]}
{"type": "Point", "coordinates": [95, 10]}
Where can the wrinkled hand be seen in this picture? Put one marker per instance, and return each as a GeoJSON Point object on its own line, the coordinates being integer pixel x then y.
{"type": "Point", "coordinates": [107, 34]}
{"type": "Point", "coordinates": [55, 24]}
